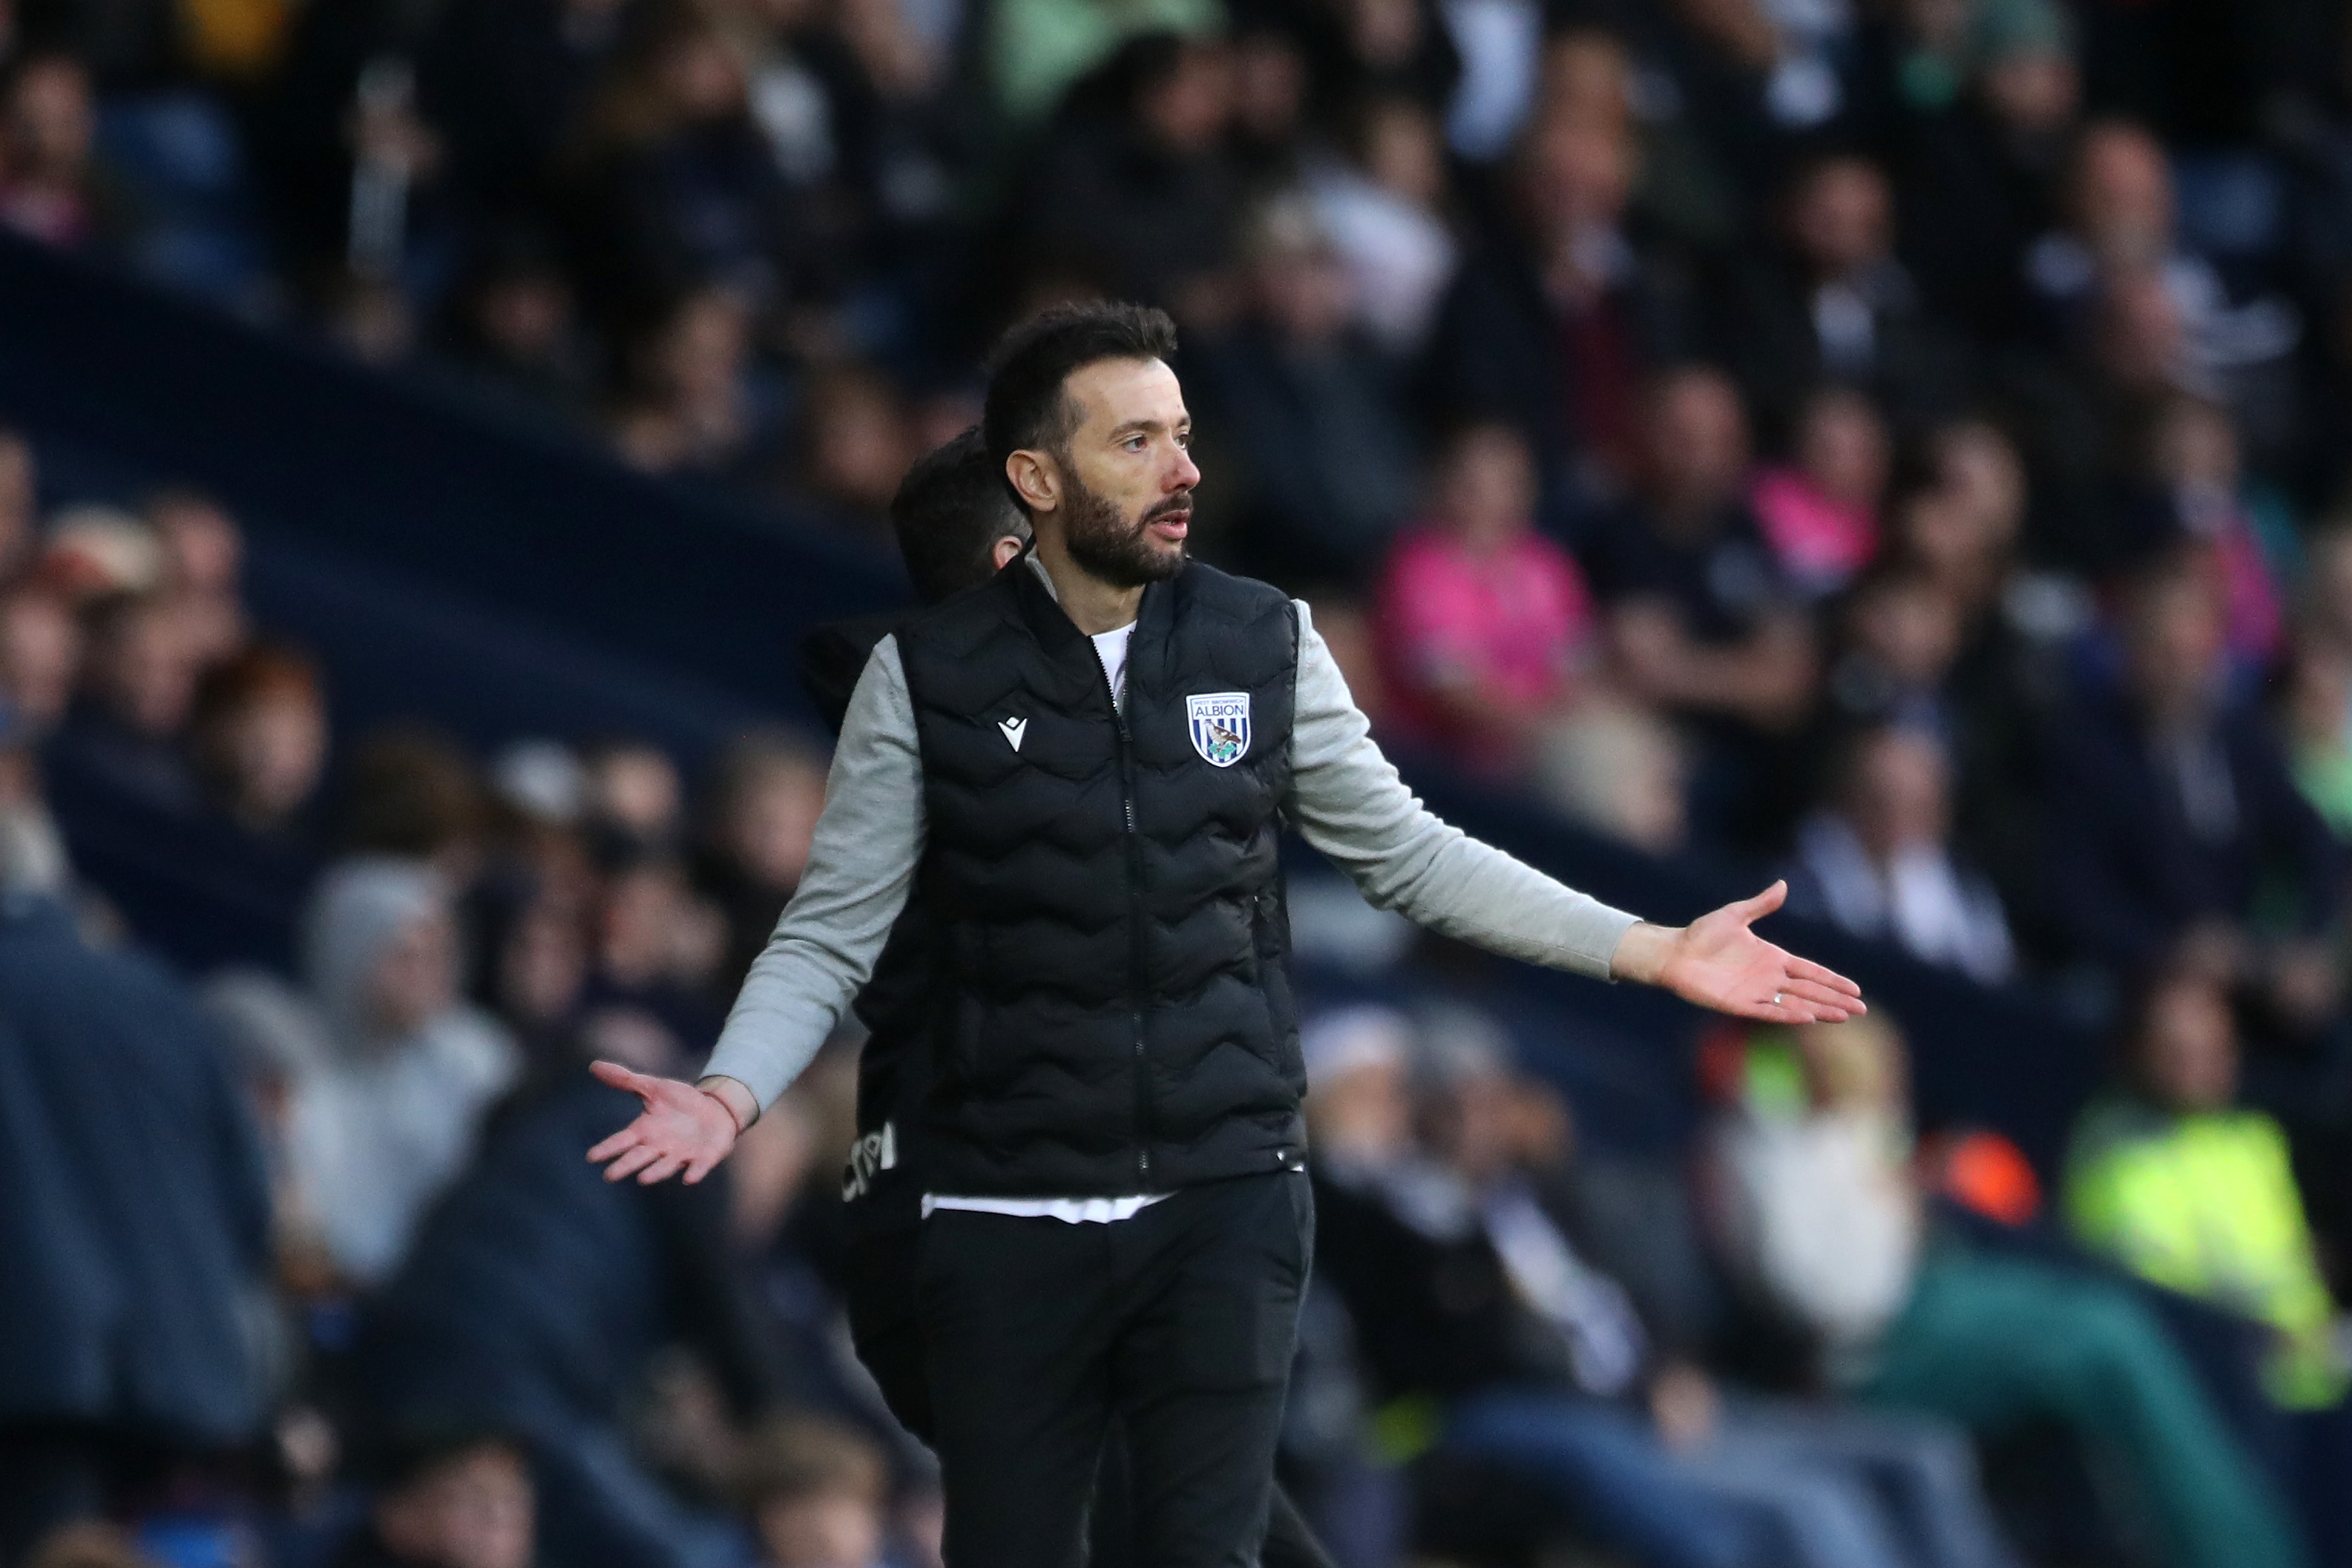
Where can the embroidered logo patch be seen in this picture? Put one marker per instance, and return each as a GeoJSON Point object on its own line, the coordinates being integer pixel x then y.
{"type": "Point", "coordinates": [1013, 729]}
{"type": "Point", "coordinates": [1221, 726]}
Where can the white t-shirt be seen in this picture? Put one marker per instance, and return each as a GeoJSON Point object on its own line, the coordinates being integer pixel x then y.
{"type": "Point", "coordinates": [1068, 1210]}
{"type": "Point", "coordinates": [1110, 647]}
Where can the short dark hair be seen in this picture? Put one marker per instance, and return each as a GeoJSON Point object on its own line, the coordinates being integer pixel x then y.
{"type": "Point", "coordinates": [1026, 406]}
{"type": "Point", "coordinates": [949, 511]}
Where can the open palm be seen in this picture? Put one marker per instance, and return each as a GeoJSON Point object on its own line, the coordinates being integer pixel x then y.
{"type": "Point", "coordinates": [1718, 962]}
{"type": "Point", "coordinates": [681, 1129]}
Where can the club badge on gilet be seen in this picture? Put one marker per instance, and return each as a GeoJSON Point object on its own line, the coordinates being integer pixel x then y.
{"type": "Point", "coordinates": [1221, 725]}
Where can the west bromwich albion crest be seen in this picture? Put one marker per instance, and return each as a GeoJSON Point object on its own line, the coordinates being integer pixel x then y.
{"type": "Point", "coordinates": [1221, 726]}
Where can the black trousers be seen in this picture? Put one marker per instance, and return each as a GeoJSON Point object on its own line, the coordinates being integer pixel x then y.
{"type": "Point", "coordinates": [1037, 1340]}
{"type": "Point", "coordinates": [886, 1327]}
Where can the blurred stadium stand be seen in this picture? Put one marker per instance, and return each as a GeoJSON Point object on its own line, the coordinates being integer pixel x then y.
{"type": "Point", "coordinates": [449, 566]}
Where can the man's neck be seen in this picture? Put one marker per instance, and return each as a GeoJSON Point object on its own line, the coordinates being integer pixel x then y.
{"type": "Point", "coordinates": [1092, 605]}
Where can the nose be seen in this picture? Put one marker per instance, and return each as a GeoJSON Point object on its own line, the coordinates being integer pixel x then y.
{"type": "Point", "coordinates": [1184, 475]}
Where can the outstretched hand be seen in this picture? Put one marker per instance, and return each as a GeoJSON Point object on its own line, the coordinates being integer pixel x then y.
{"type": "Point", "coordinates": [681, 1129]}
{"type": "Point", "coordinates": [1718, 962]}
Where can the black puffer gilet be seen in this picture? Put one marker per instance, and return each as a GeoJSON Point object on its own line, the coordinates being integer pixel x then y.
{"type": "Point", "coordinates": [1112, 1011]}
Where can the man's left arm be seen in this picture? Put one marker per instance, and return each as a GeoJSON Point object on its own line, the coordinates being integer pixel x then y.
{"type": "Point", "coordinates": [1350, 803]}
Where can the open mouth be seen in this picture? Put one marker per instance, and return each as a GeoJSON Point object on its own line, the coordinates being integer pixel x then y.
{"type": "Point", "coordinates": [1172, 525]}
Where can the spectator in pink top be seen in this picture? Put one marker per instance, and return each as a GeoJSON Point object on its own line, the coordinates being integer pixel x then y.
{"type": "Point", "coordinates": [1484, 626]}
{"type": "Point", "coordinates": [1820, 513]}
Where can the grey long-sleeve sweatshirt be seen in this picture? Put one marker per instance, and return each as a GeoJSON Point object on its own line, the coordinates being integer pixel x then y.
{"type": "Point", "coordinates": [1346, 798]}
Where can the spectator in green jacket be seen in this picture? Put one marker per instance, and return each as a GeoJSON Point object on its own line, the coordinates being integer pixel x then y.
{"type": "Point", "coordinates": [2172, 1180]}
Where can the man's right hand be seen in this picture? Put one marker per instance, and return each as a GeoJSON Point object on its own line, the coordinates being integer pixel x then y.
{"type": "Point", "coordinates": [681, 1129]}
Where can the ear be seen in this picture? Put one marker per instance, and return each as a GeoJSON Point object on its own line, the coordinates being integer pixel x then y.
{"type": "Point", "coordinates": [1035, 479]}
{"type": "Point", "coordinates": [1001, 553]}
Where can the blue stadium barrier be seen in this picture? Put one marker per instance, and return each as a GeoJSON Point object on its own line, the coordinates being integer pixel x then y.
{"type": "Point", "coordinates": [401, 476]}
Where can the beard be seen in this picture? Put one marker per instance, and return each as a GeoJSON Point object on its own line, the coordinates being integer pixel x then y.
{"type": "Point", "coordinates": [1109, 547]}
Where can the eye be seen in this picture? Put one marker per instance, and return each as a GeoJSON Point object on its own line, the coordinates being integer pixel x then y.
{"type": "Point", "coordinates": [1184, 440]}
{"type": "Point", "coordinates": [1133, 443]}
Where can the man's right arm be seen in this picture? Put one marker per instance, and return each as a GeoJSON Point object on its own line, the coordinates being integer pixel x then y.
{"type": "Point", "coordinates": [861, 863]}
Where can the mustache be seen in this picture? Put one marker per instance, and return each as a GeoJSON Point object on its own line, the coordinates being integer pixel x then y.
{"type": "Point", "coordinates": [1182, 501]}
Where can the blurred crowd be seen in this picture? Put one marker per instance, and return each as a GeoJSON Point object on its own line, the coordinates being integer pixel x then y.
{"type": "Point", "coordinates": [1900, 444]}
{"type": "Point", "coordinates": [1664, 398]}
{"type": "Point", "coordinates": [307, 1268]}
{"type": "Point", "coordinates": [307, 1264]}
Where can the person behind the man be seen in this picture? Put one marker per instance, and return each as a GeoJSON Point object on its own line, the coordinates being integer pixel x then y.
{"type": "Point", "coordinates": [956, 527]}
{"type": "Point", "coordinates": [1085, 765]}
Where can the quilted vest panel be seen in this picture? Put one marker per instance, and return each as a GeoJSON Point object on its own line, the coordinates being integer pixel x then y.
{"type": "Point", "coordinates": [1111, 1011]}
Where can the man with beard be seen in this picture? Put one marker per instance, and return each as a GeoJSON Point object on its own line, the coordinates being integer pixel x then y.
{"type": "Point", "coordinates": [1081, 769]}
{"type": "Point", "coordinates": [957, 527]}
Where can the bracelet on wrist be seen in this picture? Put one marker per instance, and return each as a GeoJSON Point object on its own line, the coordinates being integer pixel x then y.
{"type": "Point", "coordinates": [742, 1126]}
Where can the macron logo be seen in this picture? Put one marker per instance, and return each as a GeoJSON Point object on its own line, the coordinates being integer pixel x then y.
{"type": "Point", "coordinates": [1013, 729]}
